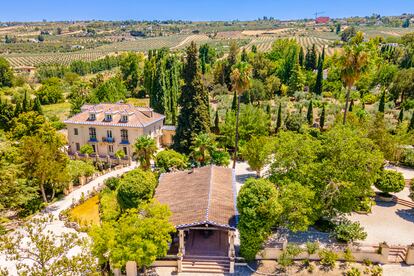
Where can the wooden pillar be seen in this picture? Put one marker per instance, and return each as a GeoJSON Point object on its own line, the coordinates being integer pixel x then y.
{"type": "Point", "coordinates": [181, 250]}
{"type": "Point", "coordinates": [181, 245]}
{"type": "Point", "coordinates": [232, 252]}
{"type": "Point", "coordinates": [231, 243]}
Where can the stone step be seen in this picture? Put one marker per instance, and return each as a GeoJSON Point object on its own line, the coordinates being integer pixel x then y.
{"type": "Point", "coordinates": [211, 270]}
{"type": "Point", "coordinates": [206, 257]}
{"type": "Point", "coordinates": [206, 263]}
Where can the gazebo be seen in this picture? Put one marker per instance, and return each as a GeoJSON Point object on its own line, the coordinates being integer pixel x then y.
{"type": "Point", "coordinates": [203, 206]}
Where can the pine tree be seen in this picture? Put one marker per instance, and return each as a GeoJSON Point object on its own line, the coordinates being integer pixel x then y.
{"type": "Point", "coordinates": [279, 118]}
{"type": "Point", "coordinates": [381, 107]}
{"type": "Point", "coordinates": [37, 107]}
{"type": "Point", "coordinates": [194, 117]}
{"type": "Point", "coordinates": [411, 126]}
{"type": "Point", "coordinates": [234, 102]}
{"type": "Point", "coordinates": [322, 119]}
{"type": "Point", "coordinates": [401, 115]}
{"type": "Point", "coordinates": [301, 57]}
{"type": "Point", "coordinates": [309, 115]}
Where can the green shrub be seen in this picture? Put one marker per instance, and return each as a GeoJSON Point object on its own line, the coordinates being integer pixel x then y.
{"type": "Point", "coordinates": [369, 98]}
{"type": "Point", "coordinates": [412, 189]}
{"type": "Point", "coordinates": [353, 272]}
{"type": "Point", "coordinates": [120, 154]}
{"type": "Point", "coordinates": [390, 182]}
{"type": "Point", "coordinates": [86, 149]}
{"type": "Point", "coordinates": [328, 258]}
{"type": "Point", "coordinates": [294, 122]}
{"type": "Point", "coordinates": [135, 187]}
{"type": "Point", "coordinates": [376, 270]}
{"type": "Point", "coordinates": [293, 250]}
{"type": "Point", "coordinates": [311, 247]}
{"type": "Point", "coordinates": [168, 160]}
{"type": "Point", "coordinates": [367, 262]}
{"type": "Point", "coordinates": [250, 243]}
{"type": "Point", "coordinates": [347, 231]}
{"type": "Point", "coordinates": [109, 207]}
{"type": "Point", "coordinates": [407, 158]}
{"type": "Point", "coordinates": [285, 260]}
{"type": "Point", "coordinates": [112, 183]}
{"type": "Point", "coordinates": [348, 257]}
{"type": "Point", "coordinates": [365, 205]}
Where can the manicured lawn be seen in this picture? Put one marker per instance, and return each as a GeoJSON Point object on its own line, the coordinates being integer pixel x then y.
{"type": "Point", "coordinates": [86, 213]}
{"type": "Point", "coordinates": [61, 110]}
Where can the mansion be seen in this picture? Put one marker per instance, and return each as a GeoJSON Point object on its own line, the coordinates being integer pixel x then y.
{"type": "Point", "coordinates": [109, 128]}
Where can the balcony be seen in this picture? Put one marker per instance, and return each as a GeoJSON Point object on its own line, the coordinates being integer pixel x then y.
{"type": "Point", "coordinates": [108, 139]}
{"type": "Point", "coordinates": [92, 139]}
{"type": "Point", "coordinates": [124, 142]}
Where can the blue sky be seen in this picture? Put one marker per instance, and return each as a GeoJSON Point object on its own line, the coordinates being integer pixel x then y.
{"type": "Point", "coordinates": [196, 10]}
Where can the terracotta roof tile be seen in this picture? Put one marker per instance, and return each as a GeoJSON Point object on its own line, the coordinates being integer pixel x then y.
{"type": "Point", "coordinates": [138, 116]}
{"type": "Point", "coordinates": [205, 196]}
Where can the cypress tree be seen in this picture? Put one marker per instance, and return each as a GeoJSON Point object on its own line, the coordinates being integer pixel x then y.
{"type": "Point", "coordinates": [217, 123]}
{"type": "Point", "coordinates": [310, 60]}
{"type": "Point", "coordinates": [309, 115]}
{"type": "Point", "coordinates": [17, 109]}
{"type": "Point", "coordinates": [244, 56]}
{"type": "Point", "coordinates": [322, 119]}
{"type": "Point", "coordinates": [268, 109]}
{"type": "Point", "coordinates": [351, 106]}
{"type": "Point", "coordinates": [381, 107]}
{"type": "Point", "coordinates": [411, 126]}
{"type": "Point", "coordinates": [234, 102]}
{"type": "Point", "coordinates": [279, 118]}
{"type": "Point", "coordinates": [194, 117]}
{"type": "Point", "coordinates": [24, 104]}
{"type": "Point", "coordinates": [37, 107]}
{"type": "Point", "coordinates": [254, 48]}
{"type": "Point", "coordinates": [301, 56]}
{"type": "Point", "coordinates": [401, 115]}
{"type": "Point", "coordinates": [319, 77]}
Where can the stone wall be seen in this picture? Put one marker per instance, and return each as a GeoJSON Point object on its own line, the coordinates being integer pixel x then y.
{"type": "Point", "coordinates": [375, 254]}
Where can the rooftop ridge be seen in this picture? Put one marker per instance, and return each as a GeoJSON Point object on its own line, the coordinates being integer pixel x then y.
{"type": "Point", "coordinates": [210, 188]}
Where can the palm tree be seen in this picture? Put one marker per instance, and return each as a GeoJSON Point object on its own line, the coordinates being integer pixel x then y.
{"type": "Point", "coordinates": [203, 147]}
{"type": "Point", "coordinates": [240, 78]}
{"type": "Point", "coordinates": [145, 148]}
{"type": "Point", "coordinates": [353, 63]}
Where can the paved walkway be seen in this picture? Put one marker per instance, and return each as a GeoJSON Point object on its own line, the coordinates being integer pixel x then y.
{"type": "Point", "coordinates": [75, 196]}
{"type": "Point", "coordinates": [57, 226]}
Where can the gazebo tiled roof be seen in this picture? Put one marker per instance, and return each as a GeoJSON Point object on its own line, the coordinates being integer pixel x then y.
{"type": "Point", "coordinates": [202, 196]}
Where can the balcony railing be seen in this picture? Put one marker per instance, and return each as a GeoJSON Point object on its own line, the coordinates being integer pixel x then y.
{"type": "Point", "coordinates": [125, 141]}
{"type": "Point", "coordinates": [108, 139]}
{"type": "Point", "coordinates": [93, 139]}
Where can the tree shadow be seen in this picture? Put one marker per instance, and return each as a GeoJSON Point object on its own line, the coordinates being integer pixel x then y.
{"type": "Point", "coordinates": [385, 203]}
{"type": "Point", "coordinates": [407, 214]}
{"type": "Point", "coordinates": [241, 178]}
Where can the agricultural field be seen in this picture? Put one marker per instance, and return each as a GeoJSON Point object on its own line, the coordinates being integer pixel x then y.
{"type": "Point", "coordinates": [17, 60]}
{"type": "Point", "coordinates": [264, 43]}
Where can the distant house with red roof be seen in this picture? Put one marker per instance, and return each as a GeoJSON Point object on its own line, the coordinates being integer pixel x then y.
{"type": "Point", "coordinates": [322, 20]}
